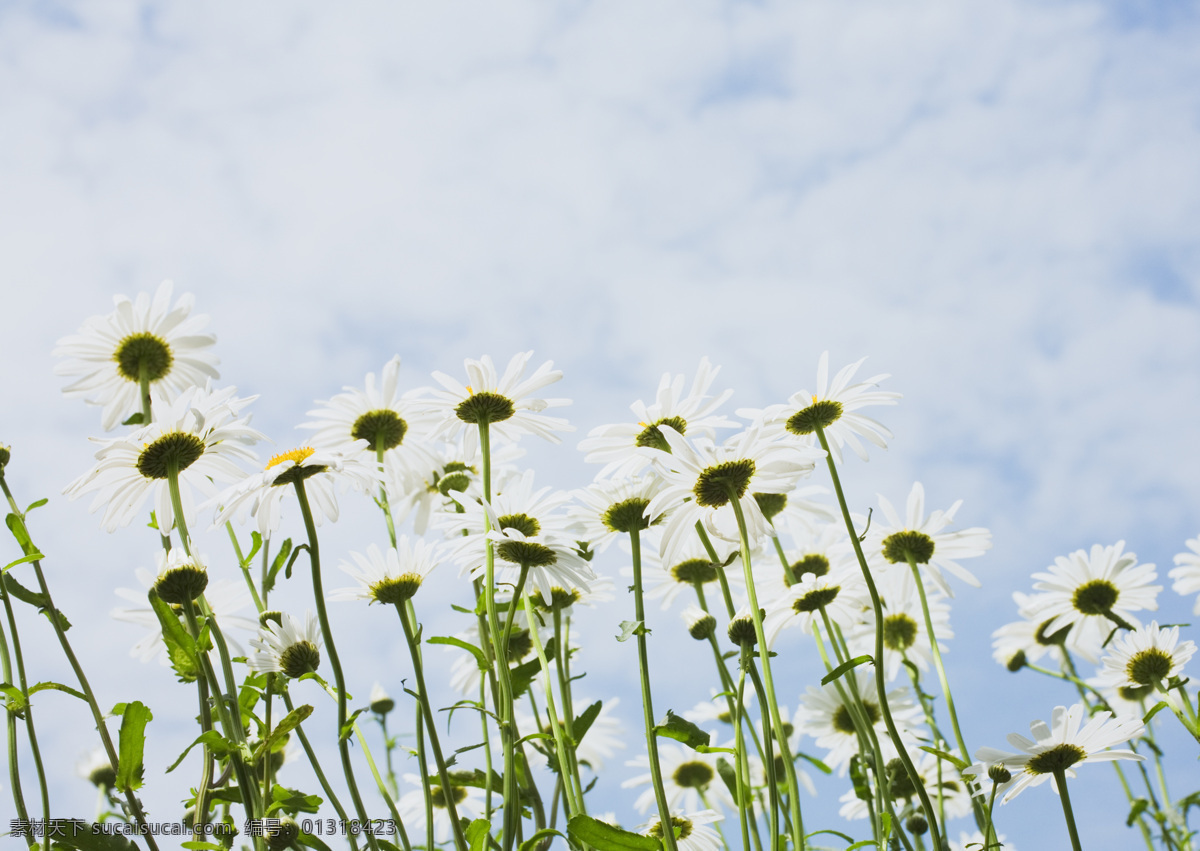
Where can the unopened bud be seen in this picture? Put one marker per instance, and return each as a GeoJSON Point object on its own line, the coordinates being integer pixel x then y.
{"type": "Point", "coordinates": [999, 774]}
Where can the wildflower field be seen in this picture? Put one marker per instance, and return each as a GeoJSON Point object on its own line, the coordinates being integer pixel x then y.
{"type": "Point", "coordinates": [816, 622]}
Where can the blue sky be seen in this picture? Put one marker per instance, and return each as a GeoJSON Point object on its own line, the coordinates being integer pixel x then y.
{"type": "Point", "coordinates": [996, 203]}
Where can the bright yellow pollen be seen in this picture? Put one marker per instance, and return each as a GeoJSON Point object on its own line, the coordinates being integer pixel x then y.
{"type": "Point", "coordinates": [814, 401]}
{"type": "Point", "coordinates": [470, 390]}
{"type": "Point", "coordinates": [295, 455]}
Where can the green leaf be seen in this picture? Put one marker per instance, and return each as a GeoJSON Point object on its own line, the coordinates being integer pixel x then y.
{"type": "Point", "coordinates": [182, 651]}
{"type": "Point", "coordinates": [863, 843]}
{"type": "Point", "coordinates": [196, 845]}
{"type": "Point", "coordinates": [477, 834]}
{"type": "Point", "coordinates": [217, 744]}
{"type": "Point", "coordinates": [17, 526]}
{"type": "Point", "coordinates": [604, 837]}
{"type": "Point", "coordinates": [480, 659]}
{"type": "Point", "coordinates": [584, 720]}
{"type": "Point", "coordinates": [34, 556]}
{"type": "Point", "coordinates": [37, 504]}
{"type": "Point", "coordinates": [844, 667]}
{"type": "Point", "coordinates": [1154, 710]}
{"type": "Point", "coordinates": [475, 778]}
{"type": "Point", "coordinates": [255, 545]}
{"type": "Point", "coordinates": [836, 833]}
{"type": "Point", "coordinates": [135, 419]}
{"type": "Point", "coordinates": [532, 842]}
{"type": "Point", "coordinates": [729, 776]}
{"type": "Point", "coordinates": [348, 727]}
{"type": "Point", "coordinates": [81, 836]}
{"type": "Point", "coordinates": [681, 730]}
{"type": "Point", "coordinates": [632, 628]}
{"type": "Point", "coordinates": [522, 675]}
{"type": "Point", "coordinates": [1139, 807]}
{"type": "Point", "coordinates": [960, 764]}
{"type": "Point", "coordinates": [281, 559]}
{"type": "Point", "coordinates": [820, 766]}
{"type": "Point", "coordinates": [132, 742]}
{"type": "Point", "coordinates": [310, 841]}
{"type": "Point", "coordinates": [16, 701]}
{"type": "Point", "coordinates": [293, 801]}
{"type": "Point", "coordinates": [290, 722]}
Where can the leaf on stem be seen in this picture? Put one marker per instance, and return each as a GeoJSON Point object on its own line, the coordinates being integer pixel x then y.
{"type": "Point", "coordinates": [132, 743]}
{"type": "Point", "coordinates": [682, 730]}
{"type": "Point", "coordinates": [604, 837]}
{"type": "Point", "coordinates": [844, 667]}
{"type": "Point", "coordinates": [632, 628]}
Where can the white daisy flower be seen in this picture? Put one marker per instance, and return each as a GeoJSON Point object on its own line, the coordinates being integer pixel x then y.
{"type": "Point", "coordinates": [505, 402]}
{"type": "Point", "coordinates": [288, 646]}
{"type": "Point", "coordinates": [469, 802]}
{"type": "Point", "coordinates": [922, 538]}
{"type": "Point", "coordinates": [96, 769]}
{"type": "Point", "coordinates": [939, 778]}
{"type": "Point", "coordinates": [694, 834]}
{"type": "Point", "coordinates": [1061, 745]}
{"type": "Point", "coordinates": [690, 567]}
{"type": "Point", "coordinates": [904, 633]}
{"type": "Point", "coordinates": [824, 717]}
{"type": "Point", "coordinates": [1145, 657]}
{"type": "Point", "coordinates": [225, 597]}
{"type": "Point", "coordinates": [201, 434]}
{"type": "Point", "coordinates": [690, 779]}
{"type": "Point", "coordinates": [1083, 589]}
{"type": "Point", "coordinates": [390, 577]}
{"type": "Point", "coordinates": [259, 495]}
{"type": "Point", "coordinates": [111, 352]}
{"type": "Point", "coordinates": [611, 509]}
{"type": "Point", "coordinates": [1187, 572]}
{"type": "Point", "coordinates": [832, 408]}
{"type": "Point", "coordinates": [841, 591]}
{"type": "Point", "coordinates": [380, 701]}
{"type": "Point", "coordinates": [1026, 640]}
{"type": "Point", "coordinates": [702, 479]}
{"type": "Point", "coordinates": [622, 447]}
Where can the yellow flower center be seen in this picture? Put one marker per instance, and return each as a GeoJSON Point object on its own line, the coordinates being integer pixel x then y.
{"type": "Point", "coordinates": [295, 455]}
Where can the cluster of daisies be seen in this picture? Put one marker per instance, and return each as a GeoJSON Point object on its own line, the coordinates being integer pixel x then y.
{"type": "Point", "coordinates": [736, 522]}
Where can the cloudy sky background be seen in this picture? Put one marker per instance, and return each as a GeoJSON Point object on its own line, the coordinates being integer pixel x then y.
{"type": "Point", "coordinates": [997, 203]}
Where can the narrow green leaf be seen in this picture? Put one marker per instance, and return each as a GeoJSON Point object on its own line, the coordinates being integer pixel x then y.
{"type": "Point", "coordinates": [293, 801]}
{"type": "Point", "coordinates": [862, 844]}
{"type": "Point", "coordinates": [960, 764]}
{"type": "Point", "coordinates": [17, 526]}
{"type": "Point", "coordinates": [583, 721]}
{"type": "Point", "coordinates": [33, 598]}
{"type": "Point", "coordinates": [632, 628]}
{"type": "Point", "coordinates": [820, 766]}
{"type": "Point", "coordinates": [290, 722]}
{"type": "Point", "coordinates": [37, 504]}
{"type": "Point", "coordinates": [281, 559]}
{"type": "Point", "coordinates": [79, 835]}
{"type": "Point", "coordinates": [522, 675]}
{"type": "Point", "coordinates": [348, 727]}
{"type": "Point", "coordinates": [474, 778]}
{"type": "Point", "coordinates": [836, 833]}
{"type": "Point", "coordinates": [132, 742]}
{"type": "Point", "coordinates": [217, 744]}
{"type": "Point", "coordinates": [1139, 807]}
{"type": "Point", "coordinates": [310, 841]}
{"type": "Point", "coordinates": [134, 419]}
{"type": "Point", "coordinates": [197, 845]}
{"type": "Point", "coordinates": [729, 776]}
{"type": "Point", "coordinates": [34, 556]}
{"type": "Point", "coordinates": [17, 701]}
{"type": "Point", "coordinates": [681, 730]}
{"type": "Point", "coordinates": [458, 642]}
{"type": "Point", "coordinates": [604, 837]}
{"type": "Point", "coordinates": [256, 542]}
{"type": "Point", "coordinates": [532, 842]}
{"type": "Point", "coordinates": [48, 686]}
{"type": "Point", "coordinates": [1154, 710]}
{"type": "Point", "coordinates": [844, 667]}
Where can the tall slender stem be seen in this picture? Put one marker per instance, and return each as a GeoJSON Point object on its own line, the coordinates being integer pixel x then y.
{"type": "Point", "coordinates": [1060, 780]}
{"type": "Point", "coordinates": [314, 554]}
{"type": "Point", "coordinates": [317, 770]}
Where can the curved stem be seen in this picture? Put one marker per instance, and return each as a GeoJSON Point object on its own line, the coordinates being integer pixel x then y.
{"type": "Point", "coordinates": [314, 554]}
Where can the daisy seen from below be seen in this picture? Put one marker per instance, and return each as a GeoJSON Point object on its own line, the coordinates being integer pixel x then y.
{"type": "Point", "coordinates": [1026, 641]}
{"type": "Point", "coordinates": [702, 479]}
{"type": "Point", "coordinates": [833, 409]}
{"type": "Point", "coordinates": [1092, 592]}
{"type": "Point", "coordinates": [621, 447]}
{"type": "Point", "coordinates": [260, 495]}
{"type": "Point", "coordinates": [922, 539]}
{"type": "Point", "coordinates": [939, 777]}
{"type": "Point", "coordinates": [1059, 746]}
{"type": "Point", "coordinates": [608, 510]}
{"type": "Point", "coordinates": [199, 436]}
{"type": "Point", "coordinates": [505, 403]}
{"type": "Point", "coordinates": [145, 338]}
{"type": "Point", "coordinates": [1149, 656]}
{"type": "Point", "coordinates": [692, 570]}
{"type": "Point", "coordinates": [694, 832]}
{"type": "Point", "coordinates": [904, 635]}
{"type": "Point", "coordinates": [840, 592]}
{"type": "Point", "coordinates": [287, 646]}
{"type": "Point", "coordinates": [690, 780]}
{"type": "Point", "coordinates": [1186, 572]}
{"type": "Point", "coordinates": [390, 577]}
{"type": "Point", "coordinates": [469, 802]}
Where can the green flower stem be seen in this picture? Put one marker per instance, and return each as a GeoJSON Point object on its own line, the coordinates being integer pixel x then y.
{"type": "Point", "coordinates": [1060, 779]}
{"type": "Point", "coordinates": [1129, 796]}
{"type": "Point", "coordinates": [789, 767]}
{"type": "Point", "coordinates": [562, 667]}
{"type": "Point", "coordinates": [880, 684]}
{"type": "Point", "coordinates": [937, 658]}
{"type": "Point", "coordinates": [384, 505]}
{"type": "Point", "coordinates": [330, 795]}
{"type": "Point", "coordinates": [730, 609]}
{"type": "Point", "coordinates": [382, 787]}
{"type": "Point", "coordinates": [30, 731]}
{"type": "Point", "coordinates": [742, 768]}
{"type": "Point", "coordinates": [268, 769]}
{"type": "Point", "coordinates": [572, 793]}
{"type": "Point", "coordinates": [389, 745]}
{"type": "Point", "coordinates": [512, 804]}
{"type": "Point", "coordinates": [206, 766]}
{"type": "Point", "coordinates": [747, 662]}
{"type": "Point", "coordinates": [413, 642]}
{"type": "Point", "coordinates": [135, 806]}
{"type": "Point", "coordinates": [423, 764]}
{"type": "Point", "coordinates": [639, 614]}
{"type": "Point", "coordinates": [144, 389]}
{"type": "Point", "coordinates": [14, 767]}
{"type": "Point", "coordinates": [314, 554]}
{"type": "Point", "coordinates": [244, 564]}
{"type": "Point", "coordinates": [506, 632]}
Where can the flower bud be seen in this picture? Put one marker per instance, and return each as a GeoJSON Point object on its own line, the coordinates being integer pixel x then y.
{"type": "Point", "coordinates": [916, 824]}
{"type": "Point", "coordinates": [381, 703]}
{"type": "Point", "coordinates": [999, 774]}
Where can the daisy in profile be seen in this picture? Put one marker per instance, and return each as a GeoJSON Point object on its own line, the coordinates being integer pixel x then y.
{"type": "Point", "coordinates": [690, 780]}
{"type": "Point", "coordinates": [840, 592]}
{"type": "Point", "coordinates": [694, 832]}
{"type": "Point", "coordinates": [1150, 656]}
{"type": "Point", "coordinates": [833, 408]}
{"type": "Point", "coordinates": [469, 802]}
{"type": "Point", "coordinates": [1027, 640]}
{"type": "Point", "coordinates": [621, 447]}
{"type": "Point", "coordinates": [287, 646]}
{"type": "Point", "coordinates": [1186, 573]}
{"type": "Point", "coordinates": [690, 568]}
{"type": "Point", "coordinates": [200, 435]}
{"type": "Point", "coordinates": [611, 509]}
{"type": "Point", "coordinates": [504, 402]}
{"type": "Point", "coordinates": [144, 338]}
{"type": "Point", "coordinates": [390, 577]}
{"type": "Point", "coordinates": [702, 479]}
{"type": "Point", "coordinates": [1092, 592]}
{"type": "Point", "coordinates": [261, 494]}
{"type": "Point", "coordinates": [1060, 746]}
{"type": "Point", "coordinates": [904, 635]}
{"type": "Point", "coordinates": [921, 538]}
